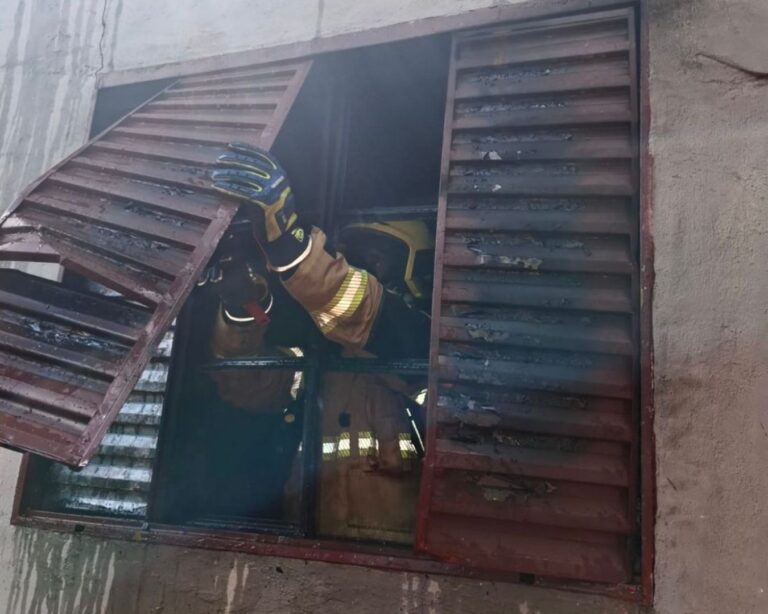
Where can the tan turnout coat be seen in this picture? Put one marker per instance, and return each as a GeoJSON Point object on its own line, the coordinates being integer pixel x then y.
{"type": "Point", "coordinates": [369, 474]}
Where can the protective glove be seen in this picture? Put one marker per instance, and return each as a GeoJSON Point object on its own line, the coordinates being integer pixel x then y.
{"type": "Point", "coordinates": [257, 179]}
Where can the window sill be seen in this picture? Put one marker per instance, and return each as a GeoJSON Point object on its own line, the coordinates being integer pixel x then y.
{"type": "Point", "coordinates": [323, 550]}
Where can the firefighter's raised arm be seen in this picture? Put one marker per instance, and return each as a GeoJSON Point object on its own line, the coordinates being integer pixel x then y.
{"type": "Point", "coordinates": [349, 305]}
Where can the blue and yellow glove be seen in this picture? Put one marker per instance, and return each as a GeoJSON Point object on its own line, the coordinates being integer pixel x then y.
{"type": "Point", "coordinates": [257, 179]}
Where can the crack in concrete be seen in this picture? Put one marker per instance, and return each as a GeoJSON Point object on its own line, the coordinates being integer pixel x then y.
{"type": "Point", "coordinates": [102, 37]}
{"type": "Point", "coordinates": [757, 75]}
{"type": "Point", "coordinates": [762, 426]}
{"type": "Point", "coordinates": [319, 20]}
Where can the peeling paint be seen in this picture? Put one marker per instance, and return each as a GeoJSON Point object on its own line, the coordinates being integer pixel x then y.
{"type": "Point", "coordinates": [531, 264]}
{"type": "Point", "coordinates": [483, 333]}
{"type": "Point", "coordinates": [433, 596]}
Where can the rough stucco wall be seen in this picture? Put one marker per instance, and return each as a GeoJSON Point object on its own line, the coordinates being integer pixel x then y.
{"type": "Point", "coordinates": [203, 30]}
{"type": "Point", "coordinates": [49, 61]}
{"type": "Point", "coordinates": [710, 145]}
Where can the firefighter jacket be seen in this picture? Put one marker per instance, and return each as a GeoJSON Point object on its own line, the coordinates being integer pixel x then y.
{"type": "Point", "coordinates": [369, 474]}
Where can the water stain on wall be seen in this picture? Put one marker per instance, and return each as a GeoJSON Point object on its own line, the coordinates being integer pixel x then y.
{"type": "Point", "coordinates": [47, 87]}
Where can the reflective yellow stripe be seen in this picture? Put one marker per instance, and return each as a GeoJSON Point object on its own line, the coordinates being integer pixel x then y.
{"type": "Point", "coordinates": [407, 449]}
{"type": "Point", "coordinates": [329, 448]}
{"type": "Point", "coordinates": [340, 446]}
{"type": "Point", "coordinates": [337, 447]}
{"type": "Point", "coordinates": [346, 294]}
{"type": "Point", "coordinates": [344, 446]}
{"type": "Point", "coordinates": [345, 302]}
{"type": "Point", "coordinates": [366, 444]}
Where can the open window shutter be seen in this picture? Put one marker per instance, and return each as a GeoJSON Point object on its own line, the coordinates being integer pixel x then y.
{"type": "Point", "coordinates": [132, 210]}
{"type": "Point", "coordinates": [531, 461]}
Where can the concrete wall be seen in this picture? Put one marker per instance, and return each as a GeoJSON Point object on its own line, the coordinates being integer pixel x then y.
{"type": "Point", "coordinates": [49, 61]}
{"type": "Point", "coordinates": [709, 101]}
{"type": "Point", "coordinates": [710, 143]}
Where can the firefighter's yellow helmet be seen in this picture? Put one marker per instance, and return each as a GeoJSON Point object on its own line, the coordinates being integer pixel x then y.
{"type": "Point", "coordinates": [400, 253]}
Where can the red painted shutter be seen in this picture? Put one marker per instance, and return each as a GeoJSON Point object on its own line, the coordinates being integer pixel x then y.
{"type": "Point", "coordinates": [531, 463]}
{"type": "Point", "coordinates": [132, 210]}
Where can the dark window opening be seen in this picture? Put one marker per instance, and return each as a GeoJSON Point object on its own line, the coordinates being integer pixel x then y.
{"type": "Point", "coordinates": [364, 135]}
{"type": "Point", "coordinates": [362, 145]}
{"type": "Point", "coordinates": [112, 103]}
{"type": "Point", "coordinates": [223, 465]}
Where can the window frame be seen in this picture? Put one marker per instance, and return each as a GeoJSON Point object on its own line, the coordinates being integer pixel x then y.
{"type": "Point", "coordinates": [312, 366]}
{"type": "Point", "coordinates": [388, 558]}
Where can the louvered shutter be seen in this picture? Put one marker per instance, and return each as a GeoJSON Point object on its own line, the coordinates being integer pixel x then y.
{"type": "Point", "coordinates": [117, 480]}
{"type": "Point", "coordinates": [532, 434]}
{"type": "Point", "coordinates": [132, 210]}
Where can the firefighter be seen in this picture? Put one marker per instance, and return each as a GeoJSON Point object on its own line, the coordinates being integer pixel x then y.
{"type": "Point", "coordinates": [369, 476]}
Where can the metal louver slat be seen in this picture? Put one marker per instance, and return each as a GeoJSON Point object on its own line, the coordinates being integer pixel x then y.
{"type": "Point", "coordinates": [133, 211]}
{"type": "Point", "coordinates": [531, 452]}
